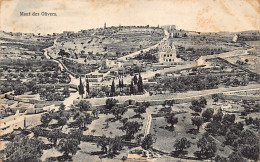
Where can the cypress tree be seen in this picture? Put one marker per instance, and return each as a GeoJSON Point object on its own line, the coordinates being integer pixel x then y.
{"type": "Point", "coordinates": [81, 88]}
{"type": "Point", "coordinates": [113, 88]}
{"type": "Point", "coordinates": [122, 83]}
{"type": "Point", "coordinates": [87, 86]}
{"type": "Point", "coordinates": [132, 91]}
{"type": "Point", "coordinates": [119, 83]}
{"type": "Point", "coordinates": [140, 84]}
{"type": "Point", "coordinates": [135, 79]}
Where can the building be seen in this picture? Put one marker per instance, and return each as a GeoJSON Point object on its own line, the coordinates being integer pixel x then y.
{"type": "Point", "coordinates": [167, 52]}
{"type": "Point", "coordinates": [11, 123]}
{"type": "Point", "coordinates": [96, 76]}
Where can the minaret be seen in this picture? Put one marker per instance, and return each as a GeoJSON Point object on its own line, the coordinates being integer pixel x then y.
{"type": "Point", "coordinates": [105, 26]}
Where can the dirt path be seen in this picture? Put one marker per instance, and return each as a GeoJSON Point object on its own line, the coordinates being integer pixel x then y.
{"type": "Point", "coordinates": [148, 125]}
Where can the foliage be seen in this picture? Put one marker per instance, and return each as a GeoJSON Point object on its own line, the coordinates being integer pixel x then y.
{"type": "Point", "coordinates": [81, 88]}
{"type": "Point", "coordinates": [22, 148]}
{"type": "Point", "coordinates": [66, 91]}
{"type": "Point", "coordinates": [208, 114]}
{"type": "Point", "coordinates": [95, 113]}
{"type": "Point", "coordinates": [147, 142]}
{"type": "Point", "coordinates": [218, 116]}
{"type": "Point", "coordinates": [220, 159]}
{"type": "Point", "coordinates": [207, 146]}
{"type": "Point", "coordinates": [37, 131]}
{"type": "Point", "coordinates": [132, 88]}
{"type": "Point", "coordinates": [248, 144]}
{"type": "Point", "coordinates": [198, 121]}
{"type": "Point", "coordinates": [118, 111]}
{"type": "Point", "coordinates": [87, 87]}
{"type": "Point", "coordinates": [181, 144]}
{"type": "Point", "coordinates": [140, 110]}
{"type": "Point", "coordinates": [81, 119]}
{"type": "Point", "coordinates": [131, 128]}
{"type": "Point", "coordinates": [53, 136]}
{"type": "Point", "coordinates": [115, 145]}
{"type": "Point", "coordinates": [197, 105]}
{"type": "Point", "coordinates": [113, 88]}
{"type": "Point", "coordinates": [46, 119]}
{"type": "Point", "coordinates": [135, 80]}
{"type": "Point", "coordinates": [140, 84]}
{"type": "Point", "coordinates": [75, 134]}
{"type": "Point", "coordinates": [62, 121]}
{"type": "Point", "coordinates": [235, 157]}
{"type": "Point", "coordinates": [62, 107]}
{"type": "Point", "coordinates": [185, 83]}
{"type": "Point", "coordinates": [250, 151]}
{"type": "Point", "coordinates": [214, 127]}
{"type": "Point", "coordinates": [110, 103]}
{"type": "Point", "coordinates": [68, 146]}
{"type": "Point", "coordinates": [84, 105]}
{"type": "Point", "coordinates": [171, 119]}
{"type": "Point", "coordinates": [228, 119]}
{"type": "Point", "coordinates": [103, 142]}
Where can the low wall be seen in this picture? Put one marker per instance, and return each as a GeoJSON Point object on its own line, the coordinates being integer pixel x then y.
{"type": "Point", "coordinates": [240, 97]}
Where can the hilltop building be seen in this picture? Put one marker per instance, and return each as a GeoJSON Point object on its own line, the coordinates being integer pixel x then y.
{"type": "Point", "coordinates": [167, 52]}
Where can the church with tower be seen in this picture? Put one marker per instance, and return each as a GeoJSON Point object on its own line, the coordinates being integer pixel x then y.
{"type": "Point", "coordinates": [167, 52]}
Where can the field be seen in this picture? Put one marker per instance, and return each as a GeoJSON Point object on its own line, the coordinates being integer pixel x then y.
{"type": "Point", "coordinates": [99, 125]}
{"type": "Point", "coordinates": [192, 45]}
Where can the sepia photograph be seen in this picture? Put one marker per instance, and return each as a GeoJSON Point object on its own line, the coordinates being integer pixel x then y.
{"type": "Point", "coordinates": [129, 80]}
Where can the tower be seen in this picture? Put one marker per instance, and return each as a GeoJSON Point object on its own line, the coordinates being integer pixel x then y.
{"type": "Point", "coordinates": [105, 26]}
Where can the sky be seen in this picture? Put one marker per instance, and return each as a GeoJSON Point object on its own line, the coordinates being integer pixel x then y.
{"type": "Point", "coordinates": [75, 15]}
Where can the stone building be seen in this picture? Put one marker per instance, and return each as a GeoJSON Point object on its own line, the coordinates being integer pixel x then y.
{"type": "Point", "coordinates": [167, 52]}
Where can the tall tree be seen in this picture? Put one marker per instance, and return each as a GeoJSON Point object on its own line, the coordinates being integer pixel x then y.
{"type": "Point", "coordinates": [135, 80]}
{"type": "Point", "coordinates": [140, 84]}
{"type": "Point", "coordinates": [81, 88]}
{"type": "Point", "coordinates": [119, 85]}
{"type": "Point", "coordinates": [132, 88]}
{"type": "Point", "coordinates": [87, 86]}
{"type": "Point", "coordinates": [122, 83]}
{"type": "Point", "coordinates": [113, 88]}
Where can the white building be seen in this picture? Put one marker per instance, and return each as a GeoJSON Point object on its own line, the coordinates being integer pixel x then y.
{"type": "Point", "coordinates": [167, 52]}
